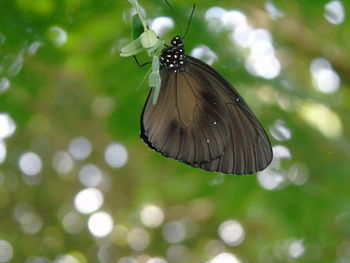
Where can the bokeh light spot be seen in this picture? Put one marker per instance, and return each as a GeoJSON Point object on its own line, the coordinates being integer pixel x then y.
{"type": "Point", "coordinates": [116, 155]}
{"type": "Point", "coordinates": [152, 216]}
{"type": "Point", "coordinates": [156, 260]}
{"type": "Point", "coordinates": [280, 131]}
{"type": "Point", "coordinates": [174, 232]}
{"type": "Point", "coordinates": [296, 248]}
{"type": "Point", "coordinates": [30, 163]}
{"type": "Point", "coordinates": [205, 54]}
{"type": "Point", "coordinates": [298, 174]}
{"type": "Point", "coordinates": [267, 67]}
{"type": "Point", "coordinates": [233, 18]}
{"type": "Point", "coordinates": [324, 78]}
{"type": "Point", "coordinates": [100, 224]}
{"type": "Point", "coordinates": [33, 48]}
{"type": "Point", "coordinates": [2, 152]}
{"type": "Point", "coordinates": [138, 239]}
{"type": "Point", "coordinates": [214, 16]}
{"type": "Point", "coordinates": [66, 259]}
{"type": "Point", "coordinates": [281, 152]}
{"type": "Point", "coordinates": [7, 126]}
{"type": "Point", "coordinates": [88, 200]}
{"type": "Point", "coordinates": [273, 11]}
{"type": "Point", "coordinates": [80, 148]}
{"type": "Point", "coordinates": [73, 222]}
{"type": "Point", "coordinates": [6, 251]}
{"type": "Point", "coordinates": [31, 223]}
{"type": "Point", "coordinates": [58, 36]}
{"type": "Point", "coordinates": [90, 175]}
{"type": "Point", "coordinates": [4, 84]}
{"type": "Point", "coordinates": [231, 232]}
{"type": "Point", "coordinates": [334, 12]}
{"type": "Point", "coordinates": [15, 64]}
{"type": "Point", "coordinates": [62, 162]}
{"type": "Point", "coordinates": [270, 180]}
{"type": "Point", "coordinates": [243, 36]}
{"type": "Point", "coordinates": [161, 25]}
{"type": "Point", "coordinates": [321, 118]}
{"type": "Point", "coordinates": [225, 258]}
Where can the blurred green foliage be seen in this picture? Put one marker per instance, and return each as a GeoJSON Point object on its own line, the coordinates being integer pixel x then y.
{"type": "Point", "coordinates": [82, 87]}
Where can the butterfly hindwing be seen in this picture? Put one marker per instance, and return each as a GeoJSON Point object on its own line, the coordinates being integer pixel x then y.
{"type": "Point", "coordinates": [249, 149]}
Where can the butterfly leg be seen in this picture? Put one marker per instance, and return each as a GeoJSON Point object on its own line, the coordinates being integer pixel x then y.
{"type": "Point", "coordinates": [141, 65]}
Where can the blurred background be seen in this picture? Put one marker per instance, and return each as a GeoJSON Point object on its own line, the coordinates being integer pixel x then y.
{"type": "Point", "coordinates": [78, 185]}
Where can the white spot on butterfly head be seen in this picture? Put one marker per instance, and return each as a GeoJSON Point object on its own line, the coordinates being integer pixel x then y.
{"type": "Point", "coordinates": [207, 141]}
{"type": "Point", "coordinates": [214, 122]}
{"type": "Point", "coordinates": [237, 99]}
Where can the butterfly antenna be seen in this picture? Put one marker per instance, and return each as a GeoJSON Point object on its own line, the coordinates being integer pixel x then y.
{"type": "Point", "coordinates": [189, 21]}
{"type": "Point", "coordinates": [175, 16]}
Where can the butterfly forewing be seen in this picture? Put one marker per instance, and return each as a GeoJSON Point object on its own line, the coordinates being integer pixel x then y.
{"type": "Point", "coordinates": [187, 123]}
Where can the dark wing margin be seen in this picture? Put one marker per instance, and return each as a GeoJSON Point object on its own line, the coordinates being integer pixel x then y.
{"type": "Point", "coordinates": [249, 149]}
{"type": "Point", "coordinates": [188, 121]}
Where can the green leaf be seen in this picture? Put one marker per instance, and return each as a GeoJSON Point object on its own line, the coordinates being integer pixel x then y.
{"type": "Point", "coordinates": [137, 27]}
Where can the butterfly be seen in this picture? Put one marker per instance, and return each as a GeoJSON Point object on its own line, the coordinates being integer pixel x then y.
{"type": "Point", "coordinates": [200, 119]}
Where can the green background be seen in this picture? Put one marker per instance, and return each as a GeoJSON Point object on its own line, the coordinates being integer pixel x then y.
{"type": "Point", "coordinates": [84, 88]}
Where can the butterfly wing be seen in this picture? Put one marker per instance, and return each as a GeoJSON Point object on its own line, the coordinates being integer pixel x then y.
{"type": "Point", "coordinates": [201, 120]}
{"type": "Point", "coordinates": [188, 121]}
{"type": "Point", "coordinates": [248, 149]}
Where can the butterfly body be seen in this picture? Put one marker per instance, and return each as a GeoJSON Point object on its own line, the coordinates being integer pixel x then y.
{"type": "Point", "coordinates": [173, 57]}
{"type": "Point", "coordinates": [201, 120]}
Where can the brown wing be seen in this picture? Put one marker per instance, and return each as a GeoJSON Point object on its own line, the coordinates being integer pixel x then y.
{"type": "Point", "coordinates": [248, 149]}
{"type": "Point", "coordinates": [188, 121]}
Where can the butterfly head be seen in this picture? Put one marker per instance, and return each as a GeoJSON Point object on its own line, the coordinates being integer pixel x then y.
{"type": "Point", "coordinates": [177, 41]}
{"type": "Point", "coordinates": [173, 57]}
